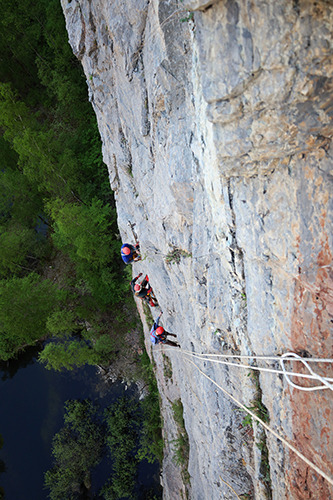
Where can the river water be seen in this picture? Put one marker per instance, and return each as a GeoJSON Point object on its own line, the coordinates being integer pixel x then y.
{"type": "Point", "coordinates": [31, 412]}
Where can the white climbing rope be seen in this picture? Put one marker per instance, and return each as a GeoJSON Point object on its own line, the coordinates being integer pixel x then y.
{"type": "Point", "coordinates": [253, 356]}
{"type": "Point", "coordinates": [267, 427]}
{"type": "Point", "coordinates": [290, 356]}
{"type": "Point", "coordinates": [324, 380]}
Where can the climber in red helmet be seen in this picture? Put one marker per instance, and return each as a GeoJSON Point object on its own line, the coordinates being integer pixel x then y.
{"type": "Point", "coordinates": [130, 253]}
{"type": "Point", "coordinates": [159, 336]}
{"type": "Point", "coordinates": [143, 290]}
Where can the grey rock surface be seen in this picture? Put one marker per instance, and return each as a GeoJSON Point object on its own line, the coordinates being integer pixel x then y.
{"type": "Point", "coordinates": [217, 135]}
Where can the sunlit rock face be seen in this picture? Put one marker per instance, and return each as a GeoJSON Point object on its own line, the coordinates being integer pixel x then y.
{"type": "Point", "coordinates": [216, 123]}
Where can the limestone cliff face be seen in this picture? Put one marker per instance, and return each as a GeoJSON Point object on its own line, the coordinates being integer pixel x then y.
{"type": "Point", "coordinates": [217, 135]}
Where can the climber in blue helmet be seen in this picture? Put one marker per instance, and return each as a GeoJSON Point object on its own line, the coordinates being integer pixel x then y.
{"type": "Point", "coordinates": [130, 253]}
{"type": "Point", "coordinates": [159, 336]}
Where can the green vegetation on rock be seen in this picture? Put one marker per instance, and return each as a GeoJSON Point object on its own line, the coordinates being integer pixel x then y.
{"type": "Point", "coordinates": [181, 443]}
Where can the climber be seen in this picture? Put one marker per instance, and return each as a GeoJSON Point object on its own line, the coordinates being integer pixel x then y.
{"type": "Point", "coordinates": [159, 336]}
{"type": "Point", "coordinates": [130, 253]}
{"type": "Point", "coordinates": [143, 290]}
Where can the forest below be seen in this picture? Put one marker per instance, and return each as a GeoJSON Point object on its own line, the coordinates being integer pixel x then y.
{"type": "Point", "coordinates": [59, 253]}
{"type": "Point", "coordinates": [62, 281]}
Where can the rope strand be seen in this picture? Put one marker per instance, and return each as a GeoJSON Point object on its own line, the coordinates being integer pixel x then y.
{"type": "Point", "coordinates": [285, 357]}
{"type": "Point", "coordinates": [325, 380]}
{"type": "Point", "coordinates": [252, 356]}
{"type": "Point", "coordinates": [267, 427]}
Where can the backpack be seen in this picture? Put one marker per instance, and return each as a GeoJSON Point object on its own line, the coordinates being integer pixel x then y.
{"type": "Point", "coordinates": [153, 336]}
{"type": "Point", "coordinates": [153, 339]}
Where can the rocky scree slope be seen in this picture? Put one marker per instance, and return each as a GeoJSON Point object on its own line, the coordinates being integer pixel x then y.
{"type": "Point", "coordinates": [216, 123]}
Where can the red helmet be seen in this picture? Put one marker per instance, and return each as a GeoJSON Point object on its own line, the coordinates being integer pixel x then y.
{"type": "Point", "coordinates": [137, 287]}
{"type": "Point", "coordinates": [160, 330]}
{"type": "Point", "coordinates": [126, 250]}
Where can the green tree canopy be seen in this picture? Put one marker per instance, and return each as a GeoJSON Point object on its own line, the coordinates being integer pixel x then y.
{"type": "Point", "coordinates": [51, 172]}
{"type": "Point", "coordinates": [19, 199]}
{"type": "Point", "coordinates": [15, 242]}
{"type": "Point", "coordinates": [122, 440]}
{"type": "Point", "coordinates": [77, 449]}
{"type": "Point", "coordinates": [68, 354]}
{"type": "Point", "coordinates": [25, 304]}
{"type": "Point", "coordinates": [84, 230]}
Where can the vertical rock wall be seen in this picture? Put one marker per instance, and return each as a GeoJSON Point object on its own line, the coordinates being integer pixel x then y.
{"type": "Point", "coordinates": [216, 123]}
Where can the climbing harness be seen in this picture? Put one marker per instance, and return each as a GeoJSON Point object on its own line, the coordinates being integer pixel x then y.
{"type": "Point", "coordinates": [151, 299]}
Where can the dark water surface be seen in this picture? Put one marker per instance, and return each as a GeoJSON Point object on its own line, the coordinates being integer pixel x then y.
{"type": "Point", "coordinates": [31, 412]}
